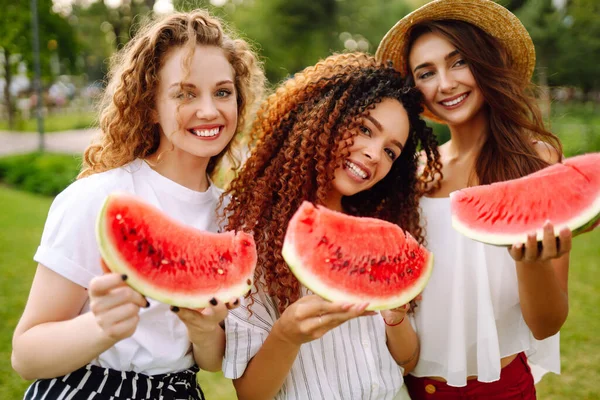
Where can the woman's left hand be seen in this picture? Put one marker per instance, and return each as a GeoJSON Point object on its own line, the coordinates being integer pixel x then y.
{"type": "Point", "coordinates": [550, 246]}
{"type": "Point", "coordinates": [395, 315]}
{"type": "Point", "coordinates": [203, 321]}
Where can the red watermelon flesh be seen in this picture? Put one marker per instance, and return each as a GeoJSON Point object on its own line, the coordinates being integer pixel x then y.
{"type": "Point", "coordinates": [350, 259]}
{"type": "Point", "coordinates": [169, 261]}
{"type": "Point", "coordinates": [504, 213]}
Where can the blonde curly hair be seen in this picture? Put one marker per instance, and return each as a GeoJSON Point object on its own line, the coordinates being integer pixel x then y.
{"type": "Point", "coordinates": [128, 103]}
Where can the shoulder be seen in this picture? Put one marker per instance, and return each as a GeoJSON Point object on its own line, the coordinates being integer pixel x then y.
{"type": "Point", "coordinates": [546, 152]}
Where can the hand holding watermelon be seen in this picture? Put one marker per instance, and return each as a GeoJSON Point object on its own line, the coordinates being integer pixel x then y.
{"type": "Point", "coordinates": [115, 306]}
{"type": "Point", "coordinates": [203, 321]}
{"type": "Point", "coordinates": [311, 317]}
{"type": "Point", "coordinates": [550, 247]}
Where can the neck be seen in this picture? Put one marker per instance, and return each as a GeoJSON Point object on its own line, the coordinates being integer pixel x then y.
{"type": "Point", "coordinates": [468, 138]}
{"type": "Point", "coordinates": [180, 167]}
{"type": "Point", "coordinates": [334, 202]}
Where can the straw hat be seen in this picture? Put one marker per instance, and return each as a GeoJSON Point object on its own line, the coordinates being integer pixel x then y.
{"type": "Point", "coordinates": [485, 14]}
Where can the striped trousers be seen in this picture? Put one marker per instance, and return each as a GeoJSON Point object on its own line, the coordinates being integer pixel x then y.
{"type": "Point", "coordinates": [96, 383]}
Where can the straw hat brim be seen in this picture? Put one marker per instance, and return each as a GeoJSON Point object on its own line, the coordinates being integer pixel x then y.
{"type": "Point", "coordinates": [485, 14]}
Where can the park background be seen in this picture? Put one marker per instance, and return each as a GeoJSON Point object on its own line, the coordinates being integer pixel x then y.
{"type": "Point", "coordinates": [41, 153]}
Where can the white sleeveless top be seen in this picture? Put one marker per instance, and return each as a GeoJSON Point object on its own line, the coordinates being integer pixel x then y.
{"type": "Point", "coordinates": [470, 316]}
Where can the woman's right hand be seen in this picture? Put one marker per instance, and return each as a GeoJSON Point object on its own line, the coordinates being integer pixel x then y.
{"type": "Point", "coordinates": [311, 317]}
{"type": "Point", "coordinates": [115, 305]}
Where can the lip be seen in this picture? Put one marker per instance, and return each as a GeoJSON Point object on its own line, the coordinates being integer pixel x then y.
{"type": "Point", "coordinates": [467, 94]}
{"type": "Point", "coordinates": [361, 166]}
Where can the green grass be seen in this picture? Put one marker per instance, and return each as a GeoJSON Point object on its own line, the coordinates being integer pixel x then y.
{"type": "Point", "coordinates": [55, 122]}
{"type": "Point", "coordinates": [24, 214]}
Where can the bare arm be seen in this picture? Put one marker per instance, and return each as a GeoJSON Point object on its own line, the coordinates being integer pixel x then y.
{"type": "Point", "coordinates": [206, 334]}
{"type": "Point", "coordinates": [543, 283]}
{"type": "Point", "coordinates": [52, 339]}
{"type": "Point", "coordinates": [305, 320]}
{"type": "Point", "coordinates": [402, 340]}
{"type": "Point", "coordinates": [267, 371]}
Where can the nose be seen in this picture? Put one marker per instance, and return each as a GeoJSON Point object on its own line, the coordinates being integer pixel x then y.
{"type": "Point", "coordinates": [447, 82]}
{"type": "Point", "coordinates": [372, 153]}
{"type": "Point", "coordinates": [207, 109]}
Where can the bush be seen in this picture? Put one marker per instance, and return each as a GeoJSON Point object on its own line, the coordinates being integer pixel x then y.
{"type": "Point", "coordinates": [43, 173]}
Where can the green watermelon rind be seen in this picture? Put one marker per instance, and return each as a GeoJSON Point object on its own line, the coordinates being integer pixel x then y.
{"type": "Point", "coordinates": [578, 224]}
{"type": "Point", "coordinates": [117, 264]}
{"type": "Point", "coordinates": [311, 281]}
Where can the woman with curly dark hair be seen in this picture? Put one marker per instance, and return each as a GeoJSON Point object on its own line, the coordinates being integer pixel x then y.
{"type": "Point", "coordinates": [345, 134]}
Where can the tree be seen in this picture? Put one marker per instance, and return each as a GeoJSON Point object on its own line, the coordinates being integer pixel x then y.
{"type": "Point", "coordinates": [57, 41]}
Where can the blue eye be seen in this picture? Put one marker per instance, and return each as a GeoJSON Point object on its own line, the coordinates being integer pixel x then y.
{"type": "Point", "coordinates": [425, 75]}
{"type": "Point", "coordinates": [184, 95]}
{"type": "Point", "coordinates": [223, 93]}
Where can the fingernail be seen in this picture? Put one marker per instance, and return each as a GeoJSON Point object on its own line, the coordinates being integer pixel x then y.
{"type": "Point", "coordinates": [147, 304]}
{"type": "Point", "coordinates": [124, 277]}
{"type": "Point", "coordinates": [174, 308]}
{"type": "Point", "coordinates": [213, 301]}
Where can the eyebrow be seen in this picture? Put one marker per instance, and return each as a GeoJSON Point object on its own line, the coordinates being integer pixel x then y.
{"type": "Point", "coordinates": [428, 64]}
{"type": "Point", "coordinates": [192, 86]}
{"type": "Point", "coordinates": [378, 126]}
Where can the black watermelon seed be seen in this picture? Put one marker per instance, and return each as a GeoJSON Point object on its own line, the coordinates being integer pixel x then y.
{"type": "Point", "coordinates": [151, 250]}
{"type": "Point", "coordinates": [346, 263]}
{"type": "Point", "coordinates": [132, 231]}
{"type": "Point", "coordinates": [373, 261]}
{"type": "Point", "coordinates": [182, 261]}
{"type": "Point", "coordinates": [249, 282]}
{"type": "Point", "coordinates": [362, 270]}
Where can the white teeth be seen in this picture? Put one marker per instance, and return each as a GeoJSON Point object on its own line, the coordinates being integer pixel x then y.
{"type": "Point", "coordinates": [356, 170]}
{"type": "Point", "coordinates": [205, 132]}
{"type": "Point", "coordinates": [455, 101]}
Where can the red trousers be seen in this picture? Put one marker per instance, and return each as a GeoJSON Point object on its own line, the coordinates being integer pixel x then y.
{"type": "Point", "coordinates": [516, 382]}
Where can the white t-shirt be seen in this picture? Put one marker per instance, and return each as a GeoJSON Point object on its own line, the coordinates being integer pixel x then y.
{"type": "Point", "coordinates": [470, 316]}
{"type": "Point", "coordinates": [351, 361]}
{"type": "Point", "coordinates": [160, 343]}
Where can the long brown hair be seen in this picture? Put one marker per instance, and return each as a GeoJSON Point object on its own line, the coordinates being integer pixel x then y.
{"type": "Point", "coordinates": [515, 120]}
{"type": "Point", "coordinates": [301, 136]}
{"type": "Point", "coordinates": [128, 103]}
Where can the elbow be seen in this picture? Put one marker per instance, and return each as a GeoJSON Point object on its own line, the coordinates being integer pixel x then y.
{"type": "Point", "coordinates": [548, 328]}
{"type": "Point", "coordinates": [19, 367]}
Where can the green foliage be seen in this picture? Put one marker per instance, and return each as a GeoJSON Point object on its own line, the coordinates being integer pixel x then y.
{"type": "Point", "coordinates": [43, 173]}
{"type": "Point", "coordinates": [578, 127]}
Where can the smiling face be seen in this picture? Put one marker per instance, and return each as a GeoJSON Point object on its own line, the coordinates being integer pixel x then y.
{"type": "Point", "coordinates": [445, 79]}
{"type": "Point", "coordinates": [382, 137]}
{"type": "Point", "coordinates": [197, 111]}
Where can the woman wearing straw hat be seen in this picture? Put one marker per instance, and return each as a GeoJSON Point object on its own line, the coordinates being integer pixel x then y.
{"type": "Point", "coordinates": [488, 316]}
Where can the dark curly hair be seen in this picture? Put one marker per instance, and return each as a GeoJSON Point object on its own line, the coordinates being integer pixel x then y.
{"type": "Point", "coordinates": [301, 136]}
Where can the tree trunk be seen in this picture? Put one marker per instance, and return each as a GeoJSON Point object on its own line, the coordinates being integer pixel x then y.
{"type": "Point", "coordinates": [7, 99]}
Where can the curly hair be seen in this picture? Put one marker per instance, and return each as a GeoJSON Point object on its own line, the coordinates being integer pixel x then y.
{"type": "Point", "coordinates": [302, 134]}
{"type": "Point", "coordinates": [128, 102]}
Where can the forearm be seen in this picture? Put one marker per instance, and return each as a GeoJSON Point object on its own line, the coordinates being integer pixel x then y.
{"type": "Point", "coordinates": [403, 344]}
{"type": "Point", "coordinates": [544, 302]}
{"type": "Point", "coordinates": [54, 349]}
{"type": "Point", "coordinates": [267, 371]}
{"type": "Point", "coordinates": [209, 350]}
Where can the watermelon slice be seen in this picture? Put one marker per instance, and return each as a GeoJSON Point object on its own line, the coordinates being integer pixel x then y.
{"type": "Point", "coordinates": [355, 260]}
{"type": "Point", "coordinates": [503, 213]}
{"type": "Point", "coordinates": [169, 261]}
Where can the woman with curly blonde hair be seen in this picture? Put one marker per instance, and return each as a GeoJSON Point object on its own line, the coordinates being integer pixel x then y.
{"type": "Point", "coordinates": [177, 95]}
{"type": "Point", "coordinates": [345, 134]}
